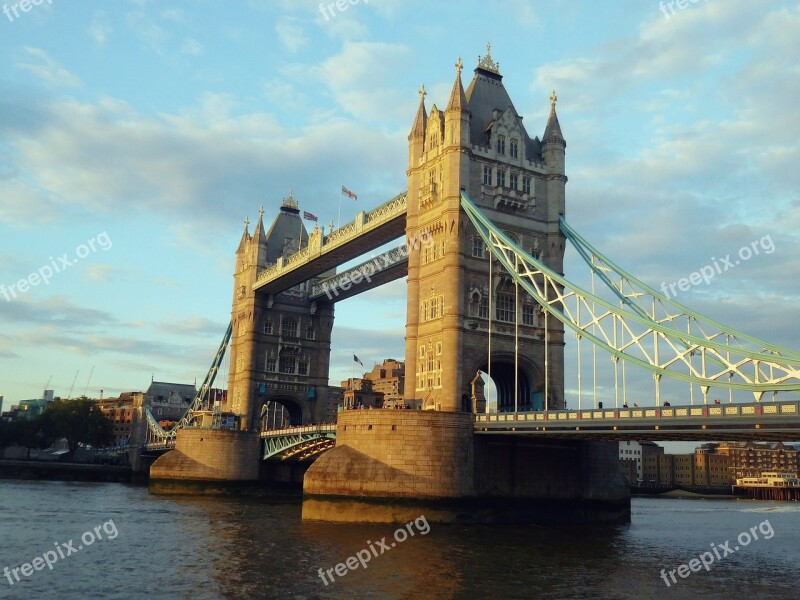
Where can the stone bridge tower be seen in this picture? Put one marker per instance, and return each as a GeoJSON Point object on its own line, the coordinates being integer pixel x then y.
{"type": "Point", "coordinates": [479, 144]}
{"type": "Point", "coordinates": [281, 343]}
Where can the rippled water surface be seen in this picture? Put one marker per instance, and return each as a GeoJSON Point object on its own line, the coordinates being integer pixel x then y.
{"type": "Point", "coordinates": [235, 547]}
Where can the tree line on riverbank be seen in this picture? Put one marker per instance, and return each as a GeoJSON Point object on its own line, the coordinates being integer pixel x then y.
{"type": "Point", "coordinates": [79, 421]}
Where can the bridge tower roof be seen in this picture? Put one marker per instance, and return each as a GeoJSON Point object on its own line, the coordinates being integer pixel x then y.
{"type": "Point", "coordinates": [487, 99]}
{"type": "Point", "coordinates": [281, 238]}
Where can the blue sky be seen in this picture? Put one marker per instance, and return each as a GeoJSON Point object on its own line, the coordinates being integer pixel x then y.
{"type": "Point", "coordinates": [157, 127]}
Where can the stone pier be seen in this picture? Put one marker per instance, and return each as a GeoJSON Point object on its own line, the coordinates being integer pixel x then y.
{"type": "Point", "coordinates": [388, 465]}
{"type": "Point", "coordinates": [209, 455]}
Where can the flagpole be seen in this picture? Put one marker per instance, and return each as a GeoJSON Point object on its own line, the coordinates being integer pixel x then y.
{"type": "Point", "coordinates": [339, 218]}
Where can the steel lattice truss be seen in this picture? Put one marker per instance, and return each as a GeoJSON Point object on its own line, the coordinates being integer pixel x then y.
{"type": "Point", "coordinates": [644, 327]}
{"type": "Point", "coordinates": [156, 433]}
{"type": "Point", "coordinates": [300, 446]}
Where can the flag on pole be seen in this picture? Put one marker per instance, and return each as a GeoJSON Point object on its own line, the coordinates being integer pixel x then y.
{"type": "Point", "coordinates": [309, 217]}
{"type": "Point", "coordinates": [358, 360]}
{"type": "Point", "coordinates": [348, 193]}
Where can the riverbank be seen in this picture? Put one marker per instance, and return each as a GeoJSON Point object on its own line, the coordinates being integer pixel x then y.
{"type": "Point", "coordinates": [65, 471]}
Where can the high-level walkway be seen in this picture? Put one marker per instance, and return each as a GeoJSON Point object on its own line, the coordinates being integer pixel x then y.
{"type": "Point", "coordinates": [368, 231]}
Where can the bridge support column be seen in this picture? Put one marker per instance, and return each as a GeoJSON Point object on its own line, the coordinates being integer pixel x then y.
{"type": "Point", "coordinates": [209, 455]}
{"type": "Point", "coordinates": [393, 465]}
{"type": "Point", "coordinates": [396, 454]}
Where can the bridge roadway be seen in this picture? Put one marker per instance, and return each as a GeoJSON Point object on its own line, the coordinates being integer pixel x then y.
{"type": "Point", "coordinates": [368, 231]}
{"type": "Point", "coordinates": [758, 421]}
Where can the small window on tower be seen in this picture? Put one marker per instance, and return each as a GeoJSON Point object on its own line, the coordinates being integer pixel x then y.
{"type": "Point", "coordinates": [501, 144]}
{"type": "Point", "coordinates": [513, 148]}
{"type": "Point", "coordinates": [478, 247]}
{"type": "Point", "coordinates": [501, 178]}
{"type": "Point", "coordinates": [487, 175]}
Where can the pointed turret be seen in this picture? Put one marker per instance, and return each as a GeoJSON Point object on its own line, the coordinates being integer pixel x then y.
{"type": "Point", "coordinates": [259, 236]}
{"type": "Point", "coordinates": [456, 113]}
{"type": "Point", "coordinates": [245, 236]}
{"type": "Point", "coordinates": [552, 133]}
{"type": "Point", "coordinates": [416, 139]}
{"type": "Point", "coordinates": [553, 153]}
{"type": "Point", "coordinates": [260, 240]}
{"type": "Point", "coordinates": [458, 100]}
{"type": "Point", "coordinates": [421, 120]}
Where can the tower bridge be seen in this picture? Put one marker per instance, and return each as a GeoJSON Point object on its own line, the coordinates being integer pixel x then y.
{"type": "Point", "coordinates": [486, 292]}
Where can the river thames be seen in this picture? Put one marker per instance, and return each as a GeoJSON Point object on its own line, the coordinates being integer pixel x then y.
{"type": "Point", "coordinates": [93, 540]}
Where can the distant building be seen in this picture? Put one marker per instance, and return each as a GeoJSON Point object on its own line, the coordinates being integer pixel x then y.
{"type": "Point", "coordinates": [383, 386]}
{"type": "Point", "coordinates": [751, 459]}
{"type": "Point", "coordinates": [710, 468]}
{"type": "Point", "coordinates": [631, 450]}
{"type": "Point", "coordinates": [388, 379]}
{"type": "Point", "coordinates": [168, 402]}
{"type": "Point", "coordinates": [651, 453]}
{"type": "Point", "coordinates": [27, 409]}
{"type": "Point", "coordinates": [628, 468]}
{"type": "Point", "coordinates": [122, 411]}
{"type": "Point", "coordinates": [666, 470]}
{"type": "Point", "coordinates": [645, 454]}
{"type": "Point", "coordinates": [683, 469]}
{"type": "Point", "coordinates": [358, 392]}
{"type": "Point", "coordinates": [712, 464]}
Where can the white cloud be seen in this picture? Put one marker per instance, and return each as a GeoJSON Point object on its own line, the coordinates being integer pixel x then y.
{"type": "Point", "coordinates": [192, 47]}
{"type": "Point", "coordinates": [99, 28]}
{"type": "Point", "coordinates": [291, 33]}
{"type": "Point", "coordinates": [45, 68]}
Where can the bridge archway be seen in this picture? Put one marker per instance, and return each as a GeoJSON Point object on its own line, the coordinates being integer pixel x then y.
{"type": "Point", "coordinates": [282, 411]}
{"type": "Point", "coordinates": [530, 384]}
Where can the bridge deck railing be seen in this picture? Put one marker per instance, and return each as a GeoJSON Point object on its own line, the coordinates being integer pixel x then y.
{"type": "Point", "coordinates": [287, 431]}
{"type": "Point", "coordinates": [771, 410]}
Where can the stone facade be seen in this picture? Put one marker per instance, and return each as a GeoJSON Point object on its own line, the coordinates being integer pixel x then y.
{"type": "Point", "coordinates": [411, 456]}
{"type": "Point", "coordinates": [479, 144]}
{"type": "Point", "coordinates": [210, 455]}
{"type": "Point", "coordinates": [281, 343]}
{"type": "Point", "coordinates": [398, 454]}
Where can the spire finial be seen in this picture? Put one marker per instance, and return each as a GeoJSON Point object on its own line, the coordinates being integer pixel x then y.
{"type": "Point", "coordinates": [290, 202]}
{"type": "Point", "coordinates": [486, 63]}
{"type": "Point", "coordinates": [459, 66]}
{"type": "Point", "coordinates": [553, 99]}
{"type": "Point", "coordinates": [422, 92]}
{"type": "Point", "coordinates": [246, 222]}
{"type": "Point", "coordinates": [261, 212]}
